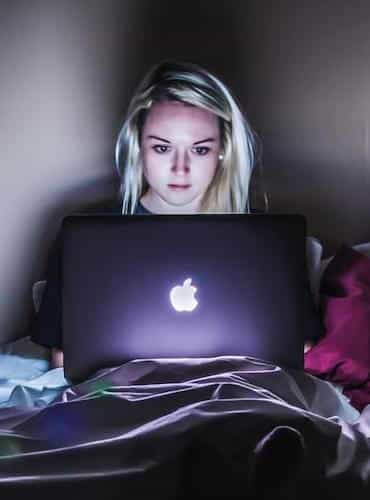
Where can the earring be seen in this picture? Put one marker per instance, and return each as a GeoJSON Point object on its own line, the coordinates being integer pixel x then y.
{"type": "Point", "coordinates": [220, 157]}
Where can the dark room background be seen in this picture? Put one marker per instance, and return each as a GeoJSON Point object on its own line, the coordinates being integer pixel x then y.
{"type": "Point", "coordinates": [300, 70]}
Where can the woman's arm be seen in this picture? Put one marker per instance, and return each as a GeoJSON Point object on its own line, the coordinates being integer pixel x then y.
{"type": "Point", "coordinates": [46, 327]}
{"type": "Point", "coordinates": [57, 358]}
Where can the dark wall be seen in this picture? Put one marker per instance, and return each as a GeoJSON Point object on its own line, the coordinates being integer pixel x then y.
{"type": "Point", "coordinates": [307, 80]}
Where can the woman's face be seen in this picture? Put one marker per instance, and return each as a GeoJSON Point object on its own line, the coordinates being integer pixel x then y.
{"type": "Point", "coordinates": [180, 145]}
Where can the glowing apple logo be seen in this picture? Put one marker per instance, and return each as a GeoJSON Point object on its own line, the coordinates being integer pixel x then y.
{"type": "Point", "coordinates": [182, 297]}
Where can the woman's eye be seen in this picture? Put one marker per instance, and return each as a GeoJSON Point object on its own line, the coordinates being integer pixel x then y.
{"type": "Point", "coordinates": [201, 150]}
{"type": "Point", "coordinates": [160, 148]}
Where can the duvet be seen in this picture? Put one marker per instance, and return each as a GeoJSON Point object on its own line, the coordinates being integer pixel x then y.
{"type": "Point", "coordinates": [179, 428]}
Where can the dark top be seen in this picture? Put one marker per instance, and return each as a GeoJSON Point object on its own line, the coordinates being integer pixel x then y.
{"type": "Point", "coordinates": [46, 328]}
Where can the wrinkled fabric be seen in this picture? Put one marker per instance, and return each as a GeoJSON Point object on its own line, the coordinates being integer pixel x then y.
{"type": "Point", "coordinates": [159, 427]}
{"type": "Point", "coordinates": [27, 381]}
{"type": "Point", "coordinates": [343, 355]}
{"type": "Point", "coordinates": [35, 392]}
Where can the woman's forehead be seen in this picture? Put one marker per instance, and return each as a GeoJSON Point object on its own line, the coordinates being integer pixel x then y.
{"type": "Point", "coordinates": [179, 123]}
{"type": "Point", "coordinates": [171, 114]}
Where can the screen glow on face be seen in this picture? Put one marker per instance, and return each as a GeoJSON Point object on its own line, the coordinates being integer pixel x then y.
{"type": "Point", "coordinates": [182, 297]}
{"type": "Point", "coordinates": [180, 146]}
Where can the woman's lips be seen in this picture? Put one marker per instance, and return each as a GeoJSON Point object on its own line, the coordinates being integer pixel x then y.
{"type": "Point", "coordinates": [178, 187]}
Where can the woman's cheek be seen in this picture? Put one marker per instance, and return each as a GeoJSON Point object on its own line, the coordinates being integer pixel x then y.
{"type": "Point", "coordinates": [151, 163]}
{"type": "Point", "coordinates": [211, 168]}
{"type": "Point", "coordinates": [155, 172]}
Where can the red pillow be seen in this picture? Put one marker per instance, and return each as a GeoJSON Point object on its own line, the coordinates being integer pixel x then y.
{"type": "Point", "coordinates": [343, 354]}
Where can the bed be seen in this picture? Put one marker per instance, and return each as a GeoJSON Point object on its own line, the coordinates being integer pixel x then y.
{"type": "Point", "coordinates": [183, 428]}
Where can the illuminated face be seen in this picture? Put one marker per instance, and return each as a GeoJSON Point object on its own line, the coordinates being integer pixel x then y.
{"type": "Point", "coordinates": [180, 147]}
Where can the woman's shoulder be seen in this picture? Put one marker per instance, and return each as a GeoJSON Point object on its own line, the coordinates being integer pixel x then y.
{"type": "Point", "coordinates": [111, 207]}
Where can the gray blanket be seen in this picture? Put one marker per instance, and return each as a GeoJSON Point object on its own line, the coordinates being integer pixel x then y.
{"type": "Point", "coordinates": [160, 428]}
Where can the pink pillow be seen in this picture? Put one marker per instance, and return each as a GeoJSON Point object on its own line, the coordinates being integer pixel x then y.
{"type": "Point", "coordinates": [343, 354]}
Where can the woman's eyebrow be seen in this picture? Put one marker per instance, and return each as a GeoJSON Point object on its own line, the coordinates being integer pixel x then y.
{"type": "Point", "coordinates": [158, 138]}
{"type": "Point", "coordinates": [210, 139]}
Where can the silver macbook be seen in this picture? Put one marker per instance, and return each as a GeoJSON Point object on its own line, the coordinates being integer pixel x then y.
{"type": "Point", "coordinates": [176, 286]}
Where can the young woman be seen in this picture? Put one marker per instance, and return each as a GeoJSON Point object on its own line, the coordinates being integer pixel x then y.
{"type": "Point", "coordinates": [184, 147]}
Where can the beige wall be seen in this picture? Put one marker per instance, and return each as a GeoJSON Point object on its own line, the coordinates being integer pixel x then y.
{"type": "Point", "coordinates": [68, 68]}
{"type": "Point", "coordinates": [308, 93]}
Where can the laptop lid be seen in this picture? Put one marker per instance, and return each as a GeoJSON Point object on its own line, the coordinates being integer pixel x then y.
{"type": "Point", "coordinates": [182, 286]}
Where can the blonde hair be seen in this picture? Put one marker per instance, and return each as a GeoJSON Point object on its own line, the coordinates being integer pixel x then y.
{"type": "Point", "coordinates": [190, 84]}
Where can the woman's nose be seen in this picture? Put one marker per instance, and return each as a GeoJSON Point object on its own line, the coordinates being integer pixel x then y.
{"type": "Point", "coordinates": [181, 163]}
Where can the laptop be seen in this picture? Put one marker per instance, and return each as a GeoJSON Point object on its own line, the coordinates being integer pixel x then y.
{"type": "Point", "coordinates": [179, 286]}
